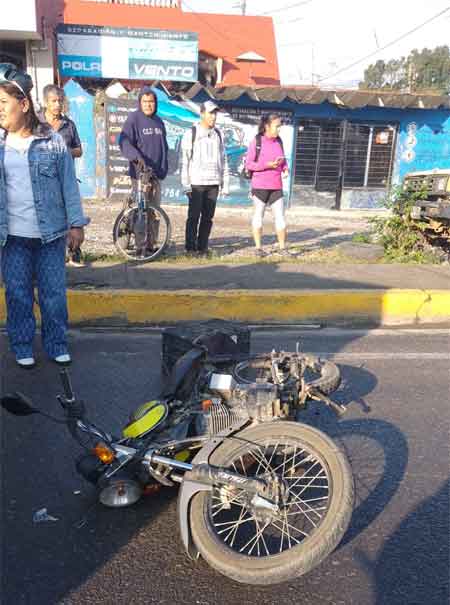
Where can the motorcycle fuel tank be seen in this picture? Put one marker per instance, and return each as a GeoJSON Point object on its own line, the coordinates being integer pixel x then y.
{"type": "Point", "coordinates": [145, 419]}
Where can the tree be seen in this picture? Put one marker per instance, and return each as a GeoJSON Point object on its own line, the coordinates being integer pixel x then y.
{"type": "Point", "coordinates": [425, 70]}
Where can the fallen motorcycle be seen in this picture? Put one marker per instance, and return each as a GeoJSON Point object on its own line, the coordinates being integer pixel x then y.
{"type": "Point", "coordinates": [263, 498]}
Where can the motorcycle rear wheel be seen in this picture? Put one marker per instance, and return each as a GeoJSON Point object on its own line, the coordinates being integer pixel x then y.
{"type": "Point", "coordinates": [321, 374]}
{"type": "Point", "coordinates": [253, 551]}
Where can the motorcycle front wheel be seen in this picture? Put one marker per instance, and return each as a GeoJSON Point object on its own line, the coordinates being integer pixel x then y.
{"type": "Point", "coordinates": [253, 548]}
{"type": "Point", "coordinates": [142, 237]}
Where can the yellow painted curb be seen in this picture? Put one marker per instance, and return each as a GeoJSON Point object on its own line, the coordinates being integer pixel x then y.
{"type": "Point", "coordinates": [147, 307]}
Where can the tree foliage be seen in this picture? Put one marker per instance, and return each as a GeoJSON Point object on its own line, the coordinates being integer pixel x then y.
{"type": "Point", "coordinates": [421, 71]}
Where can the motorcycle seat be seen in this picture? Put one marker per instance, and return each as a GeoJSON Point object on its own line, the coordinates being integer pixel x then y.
{"type": "Point", "coordinates": [183, 374]}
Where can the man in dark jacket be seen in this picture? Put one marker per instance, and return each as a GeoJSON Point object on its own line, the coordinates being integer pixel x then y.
{"type": "Point", "coordinates": [143, 141]}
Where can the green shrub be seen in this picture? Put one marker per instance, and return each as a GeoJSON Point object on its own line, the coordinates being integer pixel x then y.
{"type": "Point", "coordinates": [400, 235]}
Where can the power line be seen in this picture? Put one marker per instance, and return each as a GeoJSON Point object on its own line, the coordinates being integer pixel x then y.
{"type": "Point", "coordinates": [386, 45]}
{"type": "Point", "coordinates": [224, 36]}
{"type": "Point", "coordinates": [284, 8]}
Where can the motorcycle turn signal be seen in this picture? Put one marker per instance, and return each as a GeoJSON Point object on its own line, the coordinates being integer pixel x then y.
{"type": "Point", "coordinates": [104, 453]}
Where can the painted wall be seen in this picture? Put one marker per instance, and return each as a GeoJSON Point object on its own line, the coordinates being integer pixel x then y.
{"type": "Point", "coordinates": [423, 142]}
{"type": "Point", "coordinates": [81, 111]}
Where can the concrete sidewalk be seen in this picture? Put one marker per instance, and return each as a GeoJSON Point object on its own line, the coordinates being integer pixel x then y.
{"type": "Point", "coordinates": [115, 293]}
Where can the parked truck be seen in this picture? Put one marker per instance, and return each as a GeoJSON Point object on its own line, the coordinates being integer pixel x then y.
{"type": "Point", "coordinates": [434, 208]}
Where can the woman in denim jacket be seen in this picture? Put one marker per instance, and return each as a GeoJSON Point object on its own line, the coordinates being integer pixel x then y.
{"type": "Point", "coordinates": [40, 206]}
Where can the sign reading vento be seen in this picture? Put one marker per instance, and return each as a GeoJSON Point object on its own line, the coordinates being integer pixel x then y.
{"type": "Point", "coordinates": [89, 51]}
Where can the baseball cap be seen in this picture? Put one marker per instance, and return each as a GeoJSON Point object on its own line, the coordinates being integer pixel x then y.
{"type": "Point", "coordinates": [209, 106]}
{"type": "Point", "coordinates": [11, 74]}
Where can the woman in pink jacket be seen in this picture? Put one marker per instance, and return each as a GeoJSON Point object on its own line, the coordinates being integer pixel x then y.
{"type": "Point", "coordinates": [267, 168]}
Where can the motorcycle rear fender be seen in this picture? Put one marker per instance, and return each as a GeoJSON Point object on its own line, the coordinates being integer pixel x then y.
{"type": "Point", "coordinates": [190, 487]}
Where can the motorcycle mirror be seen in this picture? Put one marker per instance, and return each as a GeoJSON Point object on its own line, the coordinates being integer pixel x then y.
{"type": "Point", "coordinates": [18, 404]}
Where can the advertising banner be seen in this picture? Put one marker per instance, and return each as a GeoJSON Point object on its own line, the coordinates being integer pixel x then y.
{"type": "Point", "coordinates": [238, 126]}
{"type": "Point", "coordinates": [134, 54]}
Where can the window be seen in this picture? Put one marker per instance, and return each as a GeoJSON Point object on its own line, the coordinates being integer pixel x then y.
{"type": "Point", "coordinates": [363, 152]}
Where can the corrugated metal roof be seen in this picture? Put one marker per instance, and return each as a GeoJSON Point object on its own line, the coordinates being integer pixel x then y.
{"type": "Point", "coordinates": [351, 99]}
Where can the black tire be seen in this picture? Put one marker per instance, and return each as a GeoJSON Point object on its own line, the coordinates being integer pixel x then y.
{"type": "Point", "coordinates": [315, 546]}
{"type": "Point", "coordinates": [123, 235]}
{"type": "Point", "coordinates": [328, 380]}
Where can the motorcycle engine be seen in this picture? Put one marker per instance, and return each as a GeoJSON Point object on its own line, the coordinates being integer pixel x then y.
{"type": "Point", "coordinates": [257, 401]}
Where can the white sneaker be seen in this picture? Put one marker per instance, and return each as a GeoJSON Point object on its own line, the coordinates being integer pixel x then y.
{"type": "Point", "coordinates": [25, 362]}
{"type": "Point", "coordinates": [63, 359]}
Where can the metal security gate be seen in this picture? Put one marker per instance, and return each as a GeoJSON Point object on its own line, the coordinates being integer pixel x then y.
{"type": "Point", "coordinates": [331, 156]}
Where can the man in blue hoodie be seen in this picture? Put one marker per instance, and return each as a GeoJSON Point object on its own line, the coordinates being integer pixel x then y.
{"type": "Point", "coordinates": [143, 141]}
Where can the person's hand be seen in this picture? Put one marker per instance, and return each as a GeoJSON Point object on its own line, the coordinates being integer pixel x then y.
{"type": "Point", "coordinates": [75, 237]}
{"type": "Point", "coordinates": [285, 173]}
{"type": "Point", "coordinates": [273, 164]}
{"type": "Point", "coordinates": [140, 165]}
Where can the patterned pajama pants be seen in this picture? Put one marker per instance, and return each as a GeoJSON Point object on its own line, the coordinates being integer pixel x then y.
{"type": "Point", "coordinates": [24, 260]}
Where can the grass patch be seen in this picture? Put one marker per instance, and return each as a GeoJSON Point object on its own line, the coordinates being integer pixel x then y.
{"type": "Point", "coordinates": [362, 238]}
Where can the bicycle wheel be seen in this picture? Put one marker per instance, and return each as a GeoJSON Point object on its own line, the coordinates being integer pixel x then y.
{"type": "Point", "coordinates": [142, 237]}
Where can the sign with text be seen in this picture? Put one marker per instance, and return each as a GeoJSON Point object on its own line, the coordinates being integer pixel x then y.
{"type": "Point", "coordinates": [89, 51]}
{"type": "Point", "coordinates": [118, 183]}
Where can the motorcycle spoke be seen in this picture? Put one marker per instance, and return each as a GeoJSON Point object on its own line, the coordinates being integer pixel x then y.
{"type": "Point", "coordinates": [261, 461]}
{"type": "Point", "coordinates": [308, 507]}
{"type": "Point", "coordinates": [269, 462]}
{"type": "Point", "coordinates": [308, 485]}
{"type": "Point", "coordinates": [241, 518]}
{"type": "Point", "coordinates": [289, 526]}
{"type": "Point", "coordinates": [284, 463]}
{"type": "Point", "coordinates": [231, 531]}
{"type": "Point", "coordinates": [221, 506]}
{"type": "Point", "coordinates": [304, 513]}
{"type": "Point", "coordinates": [255, 539]}
{"type": "Point", "coordinates": [319, 475]}
{"type": "Point", "coordinates": [312, 510]}
{"type": "Point", "coordinates": [283, 533]}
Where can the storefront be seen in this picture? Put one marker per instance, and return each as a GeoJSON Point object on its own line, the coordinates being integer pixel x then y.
{"type": "Point", "coordinates": [24, 41]}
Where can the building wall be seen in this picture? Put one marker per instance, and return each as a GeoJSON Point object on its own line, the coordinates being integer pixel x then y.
{"type": "Point", "coordinates": [423, 143]}
{"type": "Point", "coordinates": [19, 20]}
{"type": "Point", "coordinates": [40, 67]}
{"type": "Point", "coordinates": [226, 36]}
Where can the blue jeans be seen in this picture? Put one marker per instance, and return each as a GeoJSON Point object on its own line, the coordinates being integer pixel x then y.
{"type": "Point", "coordinates": [23, 261]}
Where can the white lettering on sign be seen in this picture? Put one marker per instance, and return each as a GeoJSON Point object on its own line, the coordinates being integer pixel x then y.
{"type": "Point", "coordinates": [81, 66]}
{"type": "Point", "coordinates": [164, 73]}
{"type": "Point", "coordinates": [155, 3]}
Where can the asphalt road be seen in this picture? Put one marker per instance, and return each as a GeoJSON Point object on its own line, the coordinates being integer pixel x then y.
{"type": "Point", "coordinates": [396, 552]}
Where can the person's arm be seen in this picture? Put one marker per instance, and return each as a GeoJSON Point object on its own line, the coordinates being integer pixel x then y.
{"type": "Point", "coordinates": [250, 163]}
{"type": "Point", "coordinates": [225, 185]}
{"type": "Point", "coordinates": [76, 148]}
{"type": "Point", "coordinates": [186, 157]}
{"type": "Point", "coordinates": [127, 141]}
{"type": "Point", "coordinates": [76, 218]}
{"type": "Point", "coordinates": [165, 154]}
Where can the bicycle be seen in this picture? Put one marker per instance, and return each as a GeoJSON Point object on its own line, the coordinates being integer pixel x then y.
{"type": "Point", "coordinates": [142, 230]}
